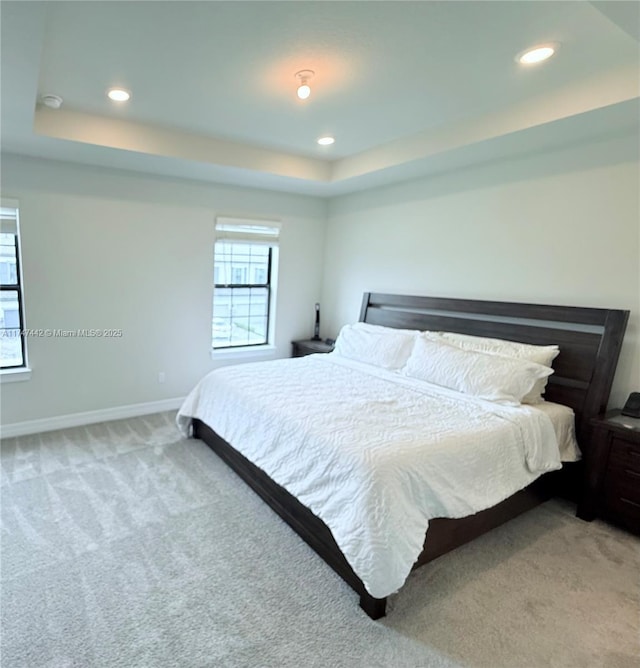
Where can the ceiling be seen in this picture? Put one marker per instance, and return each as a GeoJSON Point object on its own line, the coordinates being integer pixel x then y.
{"type": "Point", "coordinates": [406, 88]}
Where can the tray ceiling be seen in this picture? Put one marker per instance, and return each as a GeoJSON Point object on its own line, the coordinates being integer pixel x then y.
{"type": "Point", "coordinates": [406, 88]}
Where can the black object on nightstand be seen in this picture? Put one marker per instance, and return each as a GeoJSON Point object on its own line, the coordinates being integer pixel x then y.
{"type": "Point", "coordinates": [309, 347]}
{"type": "Point", "coordinates": [612, 472]}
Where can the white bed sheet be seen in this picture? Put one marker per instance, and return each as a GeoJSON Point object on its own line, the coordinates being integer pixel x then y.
{"type": "Point", "coordinates": [563, 420]}
{"type": "Point", "coordinates": [374, 454]}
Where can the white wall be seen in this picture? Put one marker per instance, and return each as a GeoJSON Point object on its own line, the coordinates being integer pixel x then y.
{"type": "Point", "coordinates": [110, 249]}
{"type": "Point", "coordinates": [557, 228]}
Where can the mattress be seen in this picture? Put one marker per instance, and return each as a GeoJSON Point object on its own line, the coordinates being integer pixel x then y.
{"type": "Point", "coordinates": [373, 454]}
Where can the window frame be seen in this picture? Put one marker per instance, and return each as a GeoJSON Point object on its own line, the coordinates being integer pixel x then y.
{"type": "Point", "coordinates": [17, 287]}
{"type": "Point", "coordinates": [250, 232]}
{"type": "Point", "coordinates": [239, 286]}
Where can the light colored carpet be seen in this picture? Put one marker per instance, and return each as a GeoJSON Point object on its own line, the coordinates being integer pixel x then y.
{"type": "Point", "coordinates": [124, 545]}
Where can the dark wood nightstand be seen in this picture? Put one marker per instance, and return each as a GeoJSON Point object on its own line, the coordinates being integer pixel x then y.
{"type": "Point", "coordinates": [612, 472]}
{"type": "Point", "coordinates": [309, 347]}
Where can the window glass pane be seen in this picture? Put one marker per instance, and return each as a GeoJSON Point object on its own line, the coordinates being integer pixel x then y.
{"type": "Point", "coordinates": [234, 322]}
{"type": "Point", "coordinates": [10, 347]}
{"type": "Point", "coordinates": [241, 264]}
{"type": "Point", "coordinates": [9, 309]}
{"type": "Point", "coordinates": [259, 326]}
{"type": "Point", "coordinates": [10, 343]}
{"type": "Point", "coordinates": [258, 308]}
{"type": "Point", "coordinates": [8, 264]}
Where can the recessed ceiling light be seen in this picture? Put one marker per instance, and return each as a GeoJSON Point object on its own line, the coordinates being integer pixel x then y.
{"type": "Point", "coordinates": [118, 94]}
{"type": "Point", "coordinates": [326, 141]}
{"type": "Point", "coordinates": [537, 54]}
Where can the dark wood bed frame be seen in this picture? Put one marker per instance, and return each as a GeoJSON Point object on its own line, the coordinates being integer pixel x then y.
{"type": "Point", "coordinates": [590, 340]}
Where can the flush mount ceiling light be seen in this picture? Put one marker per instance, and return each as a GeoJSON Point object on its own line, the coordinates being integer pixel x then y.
{"type": "Point", "coordinates": [326, 141]}
{"type": "Point", "coordinates": [118, 94]}
{"type": "Point", "coordinates": [303, 77]}
{"type": "Point", "coordinates": [537, 54]}
{"type": "Point", "coordinates": [51, 101]}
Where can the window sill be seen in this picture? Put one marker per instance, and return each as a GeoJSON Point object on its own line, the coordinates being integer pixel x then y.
{"type": "Point", "coordinates": [15, 375]}
{"type": "Point", "coordinates": [243, 353]}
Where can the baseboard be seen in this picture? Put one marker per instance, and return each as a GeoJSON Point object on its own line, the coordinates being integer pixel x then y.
{"type": "Point", "coordinates": [89, 417]}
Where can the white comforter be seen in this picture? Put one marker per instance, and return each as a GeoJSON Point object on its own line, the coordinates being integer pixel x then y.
{"type": "Point", "coordinates": [373, 454]}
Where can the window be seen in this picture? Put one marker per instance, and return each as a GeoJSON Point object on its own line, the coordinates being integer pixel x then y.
{"type": "Point", "coordinates": [12, 346]}
{"type": "Point", "coordinates": [240, 273]}
{"type": "Point", "coordinates": [245, 263]}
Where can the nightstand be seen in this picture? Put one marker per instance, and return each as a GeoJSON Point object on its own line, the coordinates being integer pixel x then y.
{"type": "Point", "coordinates": [611, 486]}
{"type": "Point", "coordinates": [309, 347]}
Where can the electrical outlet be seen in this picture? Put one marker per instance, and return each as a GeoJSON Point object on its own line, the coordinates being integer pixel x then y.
{"type": "Point", "coordinates": [161, 377]}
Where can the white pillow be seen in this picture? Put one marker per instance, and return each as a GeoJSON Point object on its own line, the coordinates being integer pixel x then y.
{"type": "Point", "coordinates": [492, 377]}
{"type": "Point", "coordinates": [381, 329]}
{"type": "Point", "coordinates": [381, 346]}
{"type": "Point", "coordinates": [539, 354]}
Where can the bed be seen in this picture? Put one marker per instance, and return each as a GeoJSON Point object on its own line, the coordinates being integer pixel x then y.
{"type": "Point", "coordinates": [589, 342]}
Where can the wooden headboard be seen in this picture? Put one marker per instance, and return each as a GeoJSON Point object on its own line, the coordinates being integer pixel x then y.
{"type": "Point", "coordinates": [589, 338]}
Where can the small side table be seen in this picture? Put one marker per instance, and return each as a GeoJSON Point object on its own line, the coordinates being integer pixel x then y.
{"type": "Point", "coordinates": [611, 487]}
{"type": "Point", "coordinates": [309, 347]}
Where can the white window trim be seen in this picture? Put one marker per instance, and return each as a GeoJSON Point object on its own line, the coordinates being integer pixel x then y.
{"type": "Point", "coordinates": [266, 350]}
{"type": "Point", "coordinates": [21, 373]}
{"type": "Point", "coordinates": [15, 375]}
